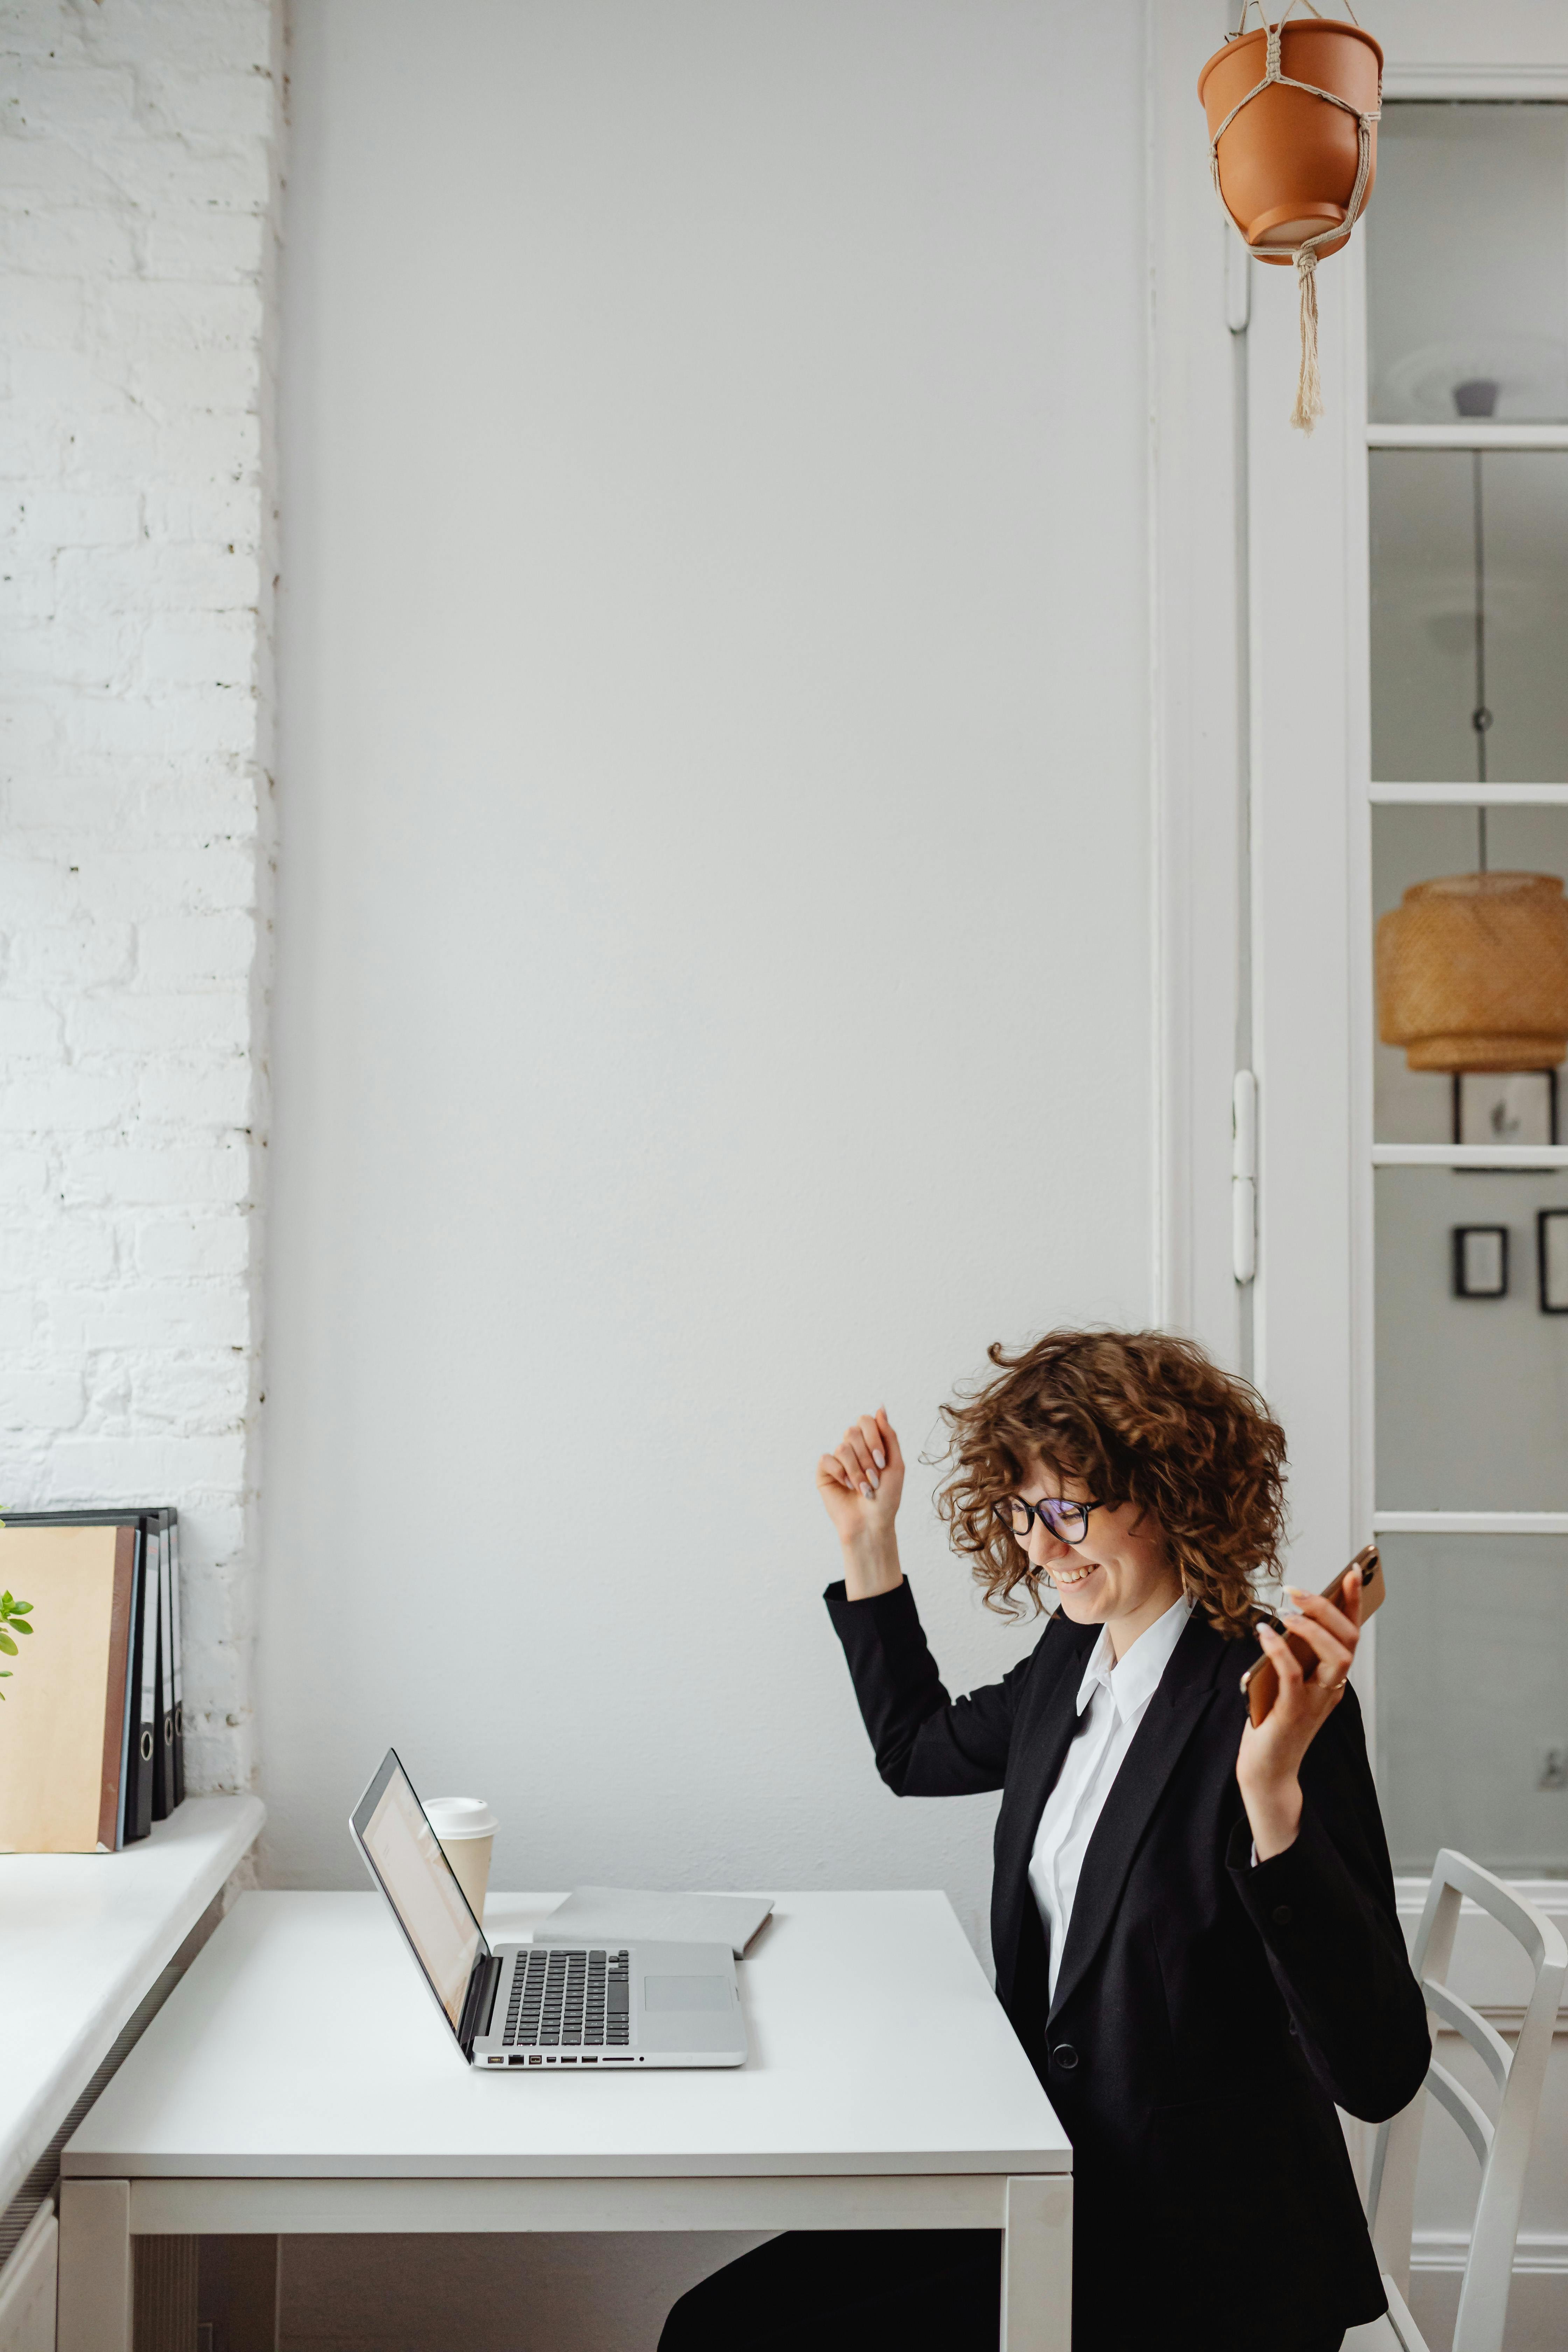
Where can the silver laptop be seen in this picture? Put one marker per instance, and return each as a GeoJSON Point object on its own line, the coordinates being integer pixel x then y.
{"type": "Point", "coordinates": [592, 2004]}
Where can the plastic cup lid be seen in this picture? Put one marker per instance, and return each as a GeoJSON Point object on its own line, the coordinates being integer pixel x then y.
{"type": "Point", "coordinates": [460, 1817]}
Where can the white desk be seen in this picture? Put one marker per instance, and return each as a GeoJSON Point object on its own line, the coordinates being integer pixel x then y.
{"type": "Point", "coordinates": [301, 2080]}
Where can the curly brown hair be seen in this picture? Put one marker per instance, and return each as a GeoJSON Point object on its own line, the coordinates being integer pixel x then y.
{"type": "Point", "coordinates": [1138, 1417]}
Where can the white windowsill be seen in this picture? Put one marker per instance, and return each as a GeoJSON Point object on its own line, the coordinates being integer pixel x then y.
{"type": "Point", "coordinates": [83, 1938]}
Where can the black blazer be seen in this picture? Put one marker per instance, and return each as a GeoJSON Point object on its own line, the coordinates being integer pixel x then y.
{"type": "Point", "coordinates": [1208, 2014]}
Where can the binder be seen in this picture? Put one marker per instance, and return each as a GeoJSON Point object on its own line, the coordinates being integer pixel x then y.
{"type": "Point", "coordinates": [143, 1681]}
{"type": "Point", "coordinates": [139, 1743]}
{"type": "Point", "coordinates": [126, 1709]}
{"type": "Point", "coordinates": [163, 1675]}
{"type": "Point", "coordinates": [179, 1757]}
{"type": "Point", "coordinates": [62, 1726]}
{"type": "Point", "coordinates": [168, 1707]}
{"type": "Point", "coordinates": [130, 1736]}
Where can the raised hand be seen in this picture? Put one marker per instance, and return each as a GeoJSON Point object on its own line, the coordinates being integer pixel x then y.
{"type": "Point", "coordinates": [1270, 1760]}
{"type": "Point", "coordinates": [860, 1484]}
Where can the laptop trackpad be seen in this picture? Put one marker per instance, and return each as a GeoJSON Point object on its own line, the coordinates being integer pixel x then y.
{"type": "Point", "coordinates": [694, 2012]}
{"type": "Point", "coordinates": [686, 1993]}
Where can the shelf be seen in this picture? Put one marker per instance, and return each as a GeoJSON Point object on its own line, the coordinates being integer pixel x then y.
{"type": "Point", "coordinates": [1507, 1159]}
{"type": "Point", "coordinates": [1463, 436]}
{"type": "Point", "coordinates": [1470, 1523]}
{"type": "Point", "coordinates": [1532, 81]}
{"type": "Point", "coordinates": [1468, 795]}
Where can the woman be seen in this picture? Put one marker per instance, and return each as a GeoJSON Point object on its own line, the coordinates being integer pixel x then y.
{"type": "Point", "coordinates": [1192, 1920]}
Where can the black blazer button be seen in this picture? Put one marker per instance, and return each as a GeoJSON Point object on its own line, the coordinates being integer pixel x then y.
{"type": "Point", "coordinates": [1065, 2056]}
{"type": "Point", "coordinates": [1281, 1915]}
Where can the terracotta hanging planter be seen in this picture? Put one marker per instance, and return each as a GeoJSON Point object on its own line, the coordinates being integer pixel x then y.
{"type": "Point", "coordinates": [1292, 114]}
{"type": "Point", "coordinates": [1472, 973]}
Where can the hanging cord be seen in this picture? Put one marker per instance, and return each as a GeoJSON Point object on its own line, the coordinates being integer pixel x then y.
{"type": "Point", "coordinates": [1309, 382]}
{"type": "Point", "coordinates": [1480, 716]}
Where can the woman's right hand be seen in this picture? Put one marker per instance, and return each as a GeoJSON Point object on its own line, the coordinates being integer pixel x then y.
{"type": "Point", "coordinates": [860, 1484]}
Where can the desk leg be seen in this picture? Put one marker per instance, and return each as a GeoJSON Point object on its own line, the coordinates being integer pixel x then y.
{"type": "Point", "coordinates": [1036, 2265]}
{"type": "Point", "coordinates": [95, 2267]}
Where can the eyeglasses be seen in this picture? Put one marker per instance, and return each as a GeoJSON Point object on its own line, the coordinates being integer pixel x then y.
{"type": "Point", "coordinates": [1069, 1522]}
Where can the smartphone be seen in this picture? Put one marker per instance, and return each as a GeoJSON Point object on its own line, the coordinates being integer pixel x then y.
{"type": "Point", "coordinates": [1261, 1682]}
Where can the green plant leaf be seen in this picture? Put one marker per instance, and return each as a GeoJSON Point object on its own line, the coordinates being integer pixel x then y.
{"type": "Point", "coordinates": [20, 1625]}
{"type": "Point", "coordinates": [9, 1646]}
{"type": "Point", "coordinates": [20, 1608]}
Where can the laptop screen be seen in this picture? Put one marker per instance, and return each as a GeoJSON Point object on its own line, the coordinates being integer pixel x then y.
{"type": "Point", "coordinates": [418, 1881]}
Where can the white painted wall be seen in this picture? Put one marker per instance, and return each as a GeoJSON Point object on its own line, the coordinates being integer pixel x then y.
{"type": "Point", "coordinates": [714, 973]}
{"type": "Point", "coordinates": [138, 222]}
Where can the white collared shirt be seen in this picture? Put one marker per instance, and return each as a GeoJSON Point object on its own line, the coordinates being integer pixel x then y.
{"type": "Point", "coordinates": [1112, 1700]}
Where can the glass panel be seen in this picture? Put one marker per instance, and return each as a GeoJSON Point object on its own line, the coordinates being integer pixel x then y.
{"type": "Point", "coordinates": [1413, 844]}
{"type": "Point", "coordinates": [1472, 1393]}
{"type": "Point", "coordinates": [1431, 669]}
{"type": "Point", "coordinates": [1472, 1700]}
{"type": "Point", "coordinates": [1467, 261]}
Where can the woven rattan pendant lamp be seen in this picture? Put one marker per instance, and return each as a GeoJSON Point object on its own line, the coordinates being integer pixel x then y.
{"type": "Point", "coordinates": [1472, 968]}
{"type": "Point", "coordinates": [1472, 973]}
{"type": "Point", "coordinates": [1292, 114]}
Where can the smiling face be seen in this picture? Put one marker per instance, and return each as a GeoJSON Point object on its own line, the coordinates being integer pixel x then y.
{"type": "Point", "coordinates": [1119, 1576]}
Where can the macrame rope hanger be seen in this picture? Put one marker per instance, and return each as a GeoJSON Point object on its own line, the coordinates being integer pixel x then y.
{"type": "Point", "coordinates": [1308, 384]}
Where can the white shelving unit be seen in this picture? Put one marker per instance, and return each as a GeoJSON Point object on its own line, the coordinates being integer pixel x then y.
{"type": "Point", "coordinates": [1466, 434]}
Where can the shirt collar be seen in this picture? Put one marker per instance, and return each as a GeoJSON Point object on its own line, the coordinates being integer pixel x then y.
{"type": "Point", "coordinates": [1133, 1682]}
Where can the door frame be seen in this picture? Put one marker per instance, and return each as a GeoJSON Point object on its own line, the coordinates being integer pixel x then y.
{"type": "Point", "coordinates": [1261, 766]}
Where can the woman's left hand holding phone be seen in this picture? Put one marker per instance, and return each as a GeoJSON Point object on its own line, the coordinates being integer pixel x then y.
{"type": "Point", "coordinates": [1268, 1765]}
{"type": "Point", "coordinates": [860, 1484]}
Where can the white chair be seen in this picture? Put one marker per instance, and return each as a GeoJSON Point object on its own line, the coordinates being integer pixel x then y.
{"type": "Point", "coordinates": [1502, 2148]}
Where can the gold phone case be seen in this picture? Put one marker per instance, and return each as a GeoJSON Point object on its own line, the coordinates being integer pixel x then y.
{"type": "Point", "coordinates": [1261, 1682]}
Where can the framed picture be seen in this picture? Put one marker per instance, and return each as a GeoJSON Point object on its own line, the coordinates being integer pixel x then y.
{"type": "Point", "coordinates": [1552, 1259]}
{"type": "Point", "coordinates": [1480, 1261]}
{"type": "Point", "coordinates": [1505, 1107]}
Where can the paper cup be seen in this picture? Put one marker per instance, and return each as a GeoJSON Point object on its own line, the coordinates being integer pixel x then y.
{"type": "Point", "coordinates": [464, 1828]}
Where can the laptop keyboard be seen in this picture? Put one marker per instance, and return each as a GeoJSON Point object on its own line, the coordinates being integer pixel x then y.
{"type": "Point", "coordinates": [566, 1999]}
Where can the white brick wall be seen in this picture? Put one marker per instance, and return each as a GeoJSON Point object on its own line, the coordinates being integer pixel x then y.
{"type": "Point", "coordinates": [138, 164]}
